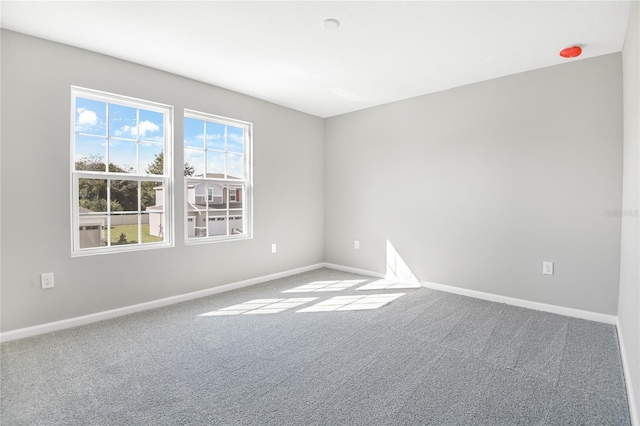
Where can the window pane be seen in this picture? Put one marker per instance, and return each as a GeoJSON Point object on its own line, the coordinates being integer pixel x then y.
{"type": "Point", "coordinates": [153, 218]}
{"type": "Point", "coordinates": [152, 230]}
{"type": "Point", "coordinates": [92, 196]}
{"type": "Point", "coordinates": [195, 159]}
{"type": "Point", "coordinates": [236, 224]}
{"type": "Point", "coordinates": [193, 133]}
{"type": "Point", "coordinates": [90, 116]}
{"type": "Point", "coordinates": [124, 194]}
{"type": "Point", "coordinates": [215, 196]}
{"type": "Point", "coordinates": [215, 164]}
{"type": "Point", "coordinates": [235, 197]}
{"type": "Point", "coordinates": [151, 126]}
{"type": "Point", "coordinates": [215, 136]}
{"type": "Point", "coordinates": [235, 166]}
{"type": "Point", "coordinates": [123, 121]}
{"type": "Point", "coordinates": [124, 229]}
{"type": "Point", "coordinates": [235, 139]}
{"type": "Point", "coordinates": [122, 156]}
{"type": "Point", "coordinates": [92, 230]}
{"type": "Point", "coordinates": [152, 196]}
{"type": "Point", "coordinates": [196, 220]}
{"type": "Point", "coordinates": [90, 153]}
{"type": "Point", "coordinates": [151, 158]}
{"type": "Point", "coordinates": [217, 224]}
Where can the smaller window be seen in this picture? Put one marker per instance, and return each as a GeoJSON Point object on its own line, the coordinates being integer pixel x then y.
{"type": "Point", "coordinates": [218, 183]}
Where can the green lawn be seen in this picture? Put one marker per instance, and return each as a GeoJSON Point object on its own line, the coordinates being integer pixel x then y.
{"type": "Point", "coordinates": [131, 232]}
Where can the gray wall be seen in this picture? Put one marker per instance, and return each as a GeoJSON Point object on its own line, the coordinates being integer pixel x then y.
{"type": "Point", "coordinates": [36, 80]}
{"type": "Point", "coordinates": [629, 302]}
{"type": "Point", "coordinates": [476, 186]}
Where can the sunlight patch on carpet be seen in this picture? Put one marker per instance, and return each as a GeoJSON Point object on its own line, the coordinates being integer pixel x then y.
{"type": "Point", "coordinates": [353, 303]}
{"type": "Point", "coordinates": [261, 306]}
{"type": "Point", "coordinates": [317, 286]}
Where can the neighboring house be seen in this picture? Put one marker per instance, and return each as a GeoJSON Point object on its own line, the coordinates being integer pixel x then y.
{"type": "Point", "coordinates": [213, 206]}
{"type": "Point", "coordinates": [91, 229]}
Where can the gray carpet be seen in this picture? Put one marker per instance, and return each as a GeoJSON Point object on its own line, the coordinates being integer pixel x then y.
{"type": "Point", "coordinates": [423, 358]}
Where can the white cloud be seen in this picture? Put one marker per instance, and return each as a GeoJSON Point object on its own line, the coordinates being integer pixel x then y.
{"type": "Point", "coordinates": [148, 126]}
{"type": "Point", "coordinates": [132, 131]}
{"type": "Point", "coordinates": [86, 117]}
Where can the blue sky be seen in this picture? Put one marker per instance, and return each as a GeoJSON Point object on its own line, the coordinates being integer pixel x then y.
{"type": "Point", "coordinates": [124, 127]}
{"type": "Point", "coordinates": [218, 138]}
{"type": "Point", "coordinates": [224, 144]}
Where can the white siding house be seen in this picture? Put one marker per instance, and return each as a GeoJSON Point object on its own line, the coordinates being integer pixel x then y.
{"type": "Point", "coordinates": [212, 209]}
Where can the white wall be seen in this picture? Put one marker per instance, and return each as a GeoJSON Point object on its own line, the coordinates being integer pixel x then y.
{"type": "Point", "coordinates": [476, 186]}
{"type": "Point", "coordinates": [36, 80]}
{"type": "Point", "coordinates": [629, 301]}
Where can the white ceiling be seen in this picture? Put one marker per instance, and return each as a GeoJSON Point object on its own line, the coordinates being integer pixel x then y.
{"type": "Point", "coordinates": [383, 51]}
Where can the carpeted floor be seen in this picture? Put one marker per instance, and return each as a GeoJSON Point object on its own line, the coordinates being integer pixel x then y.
{"type": "Point", "coordinates": [326, 353]}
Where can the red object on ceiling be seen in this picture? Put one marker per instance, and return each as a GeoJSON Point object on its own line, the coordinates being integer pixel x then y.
{"type": "Point", "coordinates": [571, 52]}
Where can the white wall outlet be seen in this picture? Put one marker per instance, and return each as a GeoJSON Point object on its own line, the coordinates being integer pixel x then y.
{"type": "Point", "coordinates": [547, 268]}
{"type": "Point", "coordinates": [46, 280]}
{"type": "Point", "coordinates": [273, 248]}
{"type": "Point", "coordinates": [356, 244]}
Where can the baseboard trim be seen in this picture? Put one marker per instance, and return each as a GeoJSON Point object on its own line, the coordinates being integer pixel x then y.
{"type": "Point", "coordinates": [353, 270]}
{"type": "Point", "coordinates": [633, 408]}
{"type": "Point", "coordinates": [538, 306]}
{"type": "Point", "coordinates": [113, 313]}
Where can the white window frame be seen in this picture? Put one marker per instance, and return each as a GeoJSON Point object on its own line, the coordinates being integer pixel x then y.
{"type": "Point", "coordinates": [245, 184]}
{"type": "Point", "coordinates": [166, 178]}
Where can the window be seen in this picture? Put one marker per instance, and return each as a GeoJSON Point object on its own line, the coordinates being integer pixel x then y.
{"type": "Point", "coordinates": [218, 185]}
{"type": "Point", "coordinates": [121, 173]}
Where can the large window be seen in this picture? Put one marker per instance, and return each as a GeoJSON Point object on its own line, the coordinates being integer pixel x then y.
{"type": "Point", "coordinates": [217, 155]}
{"type": "Point", "coordinates": [121, 161]}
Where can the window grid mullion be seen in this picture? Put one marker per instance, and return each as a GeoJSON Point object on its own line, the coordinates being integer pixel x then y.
{"type": "Point", "coordinates": [108, 212]}
{"type": "Point", "coordinates": [107, 158]}
{"type": "Point", "coordinates": [138, 142]}
{"type": "Point", "coordinates": [139, 211]}
{"type": "Point", "coordinates": [226, 175]}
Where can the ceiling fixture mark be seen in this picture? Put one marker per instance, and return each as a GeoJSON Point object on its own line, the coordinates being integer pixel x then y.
{"type": "Point", "coordinates": [330, 24]}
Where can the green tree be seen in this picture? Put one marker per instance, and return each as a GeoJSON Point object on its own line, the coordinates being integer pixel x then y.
{"type": "Point", "coordinates": [124, 193]}
{"type": "Point", "coordinates": [157, 166]}
{"type": "Point", "coordinates": [93, 192]}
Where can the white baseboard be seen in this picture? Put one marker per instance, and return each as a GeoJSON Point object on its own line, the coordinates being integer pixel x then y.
{"type": "Point", "coordinates": [113, 313]}
{"type": "Point", "coordinates": [561, 310]}
{"type": "Point", "coordinates": [633, 408]}
{"type": "Point", "coordinates": [353, 270]}
{"type": "Point", "coordinates": [554, 309]}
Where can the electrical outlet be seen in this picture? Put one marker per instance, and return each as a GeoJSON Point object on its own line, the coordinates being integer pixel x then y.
{"type": "Point", "coordinates": [356, 244]}
{"type": "Point", "coordinates": [273, 248]}
{"type": "Point", "coordinates": [46, 280]}
{"type": "Point", "coordinates": [547, 268]}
